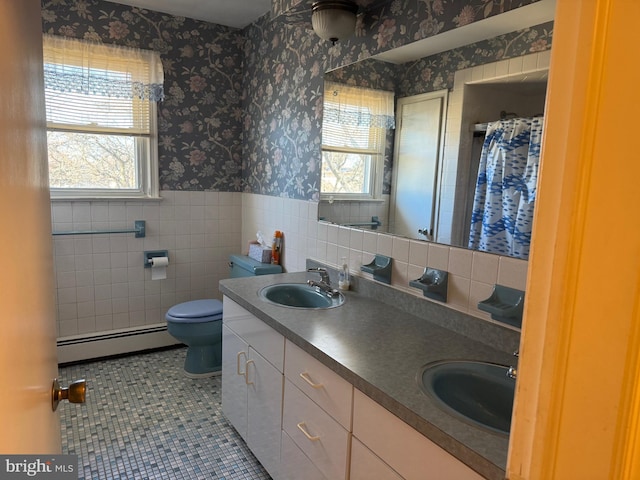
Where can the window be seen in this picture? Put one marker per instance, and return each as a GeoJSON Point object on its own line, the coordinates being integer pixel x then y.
{"type": "Point", "coordinates": [101, 119]}
{"type": "Point", "coordinates": [354, 127]}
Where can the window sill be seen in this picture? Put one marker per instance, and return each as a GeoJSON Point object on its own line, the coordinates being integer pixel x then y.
{"type": "Point", "coordinates": [351, 200]}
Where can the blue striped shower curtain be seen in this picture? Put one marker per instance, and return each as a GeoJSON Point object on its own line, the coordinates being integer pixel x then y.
{"type": "Point", "coordinates": [506, 187]}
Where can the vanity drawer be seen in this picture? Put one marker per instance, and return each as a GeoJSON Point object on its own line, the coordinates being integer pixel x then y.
{"type": "Point", "coordinates": [404, 449]}
{"type": "Point", "coordinates": [365, 465]}
{"type": "Point", "coordinates": [319, 436]}
{"type": "Point", "coordinates": [322, 385]}
{"type": "Point", "coordinates": [295, 464]}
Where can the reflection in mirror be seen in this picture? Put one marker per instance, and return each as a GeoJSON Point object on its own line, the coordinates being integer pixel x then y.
{"type": "Point", "coordinates": [357, 138]}
{"type": "Point", "coordinates": [417, 151]}
{"type": "Point", "coordinates": [483, 114]}
{"type": "Point", "coordinates": [354, 126]}
{"type": "Point", "coordinates": [451, 211]}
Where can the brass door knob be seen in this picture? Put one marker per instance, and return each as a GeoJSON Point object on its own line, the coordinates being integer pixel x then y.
{"type": "Point", "coordinates": [76, 392]}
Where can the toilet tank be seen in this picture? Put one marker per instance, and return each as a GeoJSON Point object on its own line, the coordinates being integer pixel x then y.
{"type": "Point", "coordinates": [243, 266]}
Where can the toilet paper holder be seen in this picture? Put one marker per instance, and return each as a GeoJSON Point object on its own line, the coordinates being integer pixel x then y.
{"type": "Point", "coordinates": [151, 254]}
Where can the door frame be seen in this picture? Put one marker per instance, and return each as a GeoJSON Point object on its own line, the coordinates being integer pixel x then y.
{"type": "Point", "coordinates": [578, 392]}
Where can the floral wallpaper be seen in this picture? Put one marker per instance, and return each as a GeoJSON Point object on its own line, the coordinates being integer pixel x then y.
{"type": "Point", "coordinates": [386, 24]}
{"type": "Point", "coordinates": [243, 108]}
{"type": "Point", "coordinates": [200, 120]}
{"type": "Point", "coordinates": [437, 72]}
{"type": "Point", "coordinates": [283, 77]}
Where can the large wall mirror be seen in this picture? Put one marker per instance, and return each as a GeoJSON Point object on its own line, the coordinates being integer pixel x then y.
{"type": "Point", "coordinates": [426, 169]}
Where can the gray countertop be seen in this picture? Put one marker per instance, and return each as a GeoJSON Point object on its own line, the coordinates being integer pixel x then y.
{"type": "Point", "coordinates": [380, 349]}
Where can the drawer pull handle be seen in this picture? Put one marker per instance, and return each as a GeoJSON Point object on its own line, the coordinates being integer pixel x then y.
{"type": "Point", "coordinates": [246, 372]}
{"type": "Point", "coordinates": [305, 377]}
{"type": "Point", "coordinates": [238, 363]}
{"type": "Point", "coordinates": [303, 428]}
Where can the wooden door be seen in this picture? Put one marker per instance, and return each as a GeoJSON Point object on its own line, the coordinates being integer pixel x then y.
{"type": "Point", "coordinates": [28, 341]}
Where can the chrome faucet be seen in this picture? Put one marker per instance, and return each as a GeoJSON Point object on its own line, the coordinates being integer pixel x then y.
{"type": "Point", "coordinates": [324, 275]}
{"type": "Point", "coordinates": [324, 284]}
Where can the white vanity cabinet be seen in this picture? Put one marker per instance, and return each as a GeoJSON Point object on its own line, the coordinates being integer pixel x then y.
{"type": "Point", "coordinates": [252, 382]}
{"type": "Point", "coordinates": [316, 417]}
{"type": "Point", "coordinates": [403, 449]}
{"type": "Point", "coordinates": [235, 353]}
{"type": "Point", "coordinates": [303, 420]}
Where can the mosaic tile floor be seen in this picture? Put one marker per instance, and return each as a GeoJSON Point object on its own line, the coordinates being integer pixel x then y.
{"type": "Point", "coordinates": [144, 419]}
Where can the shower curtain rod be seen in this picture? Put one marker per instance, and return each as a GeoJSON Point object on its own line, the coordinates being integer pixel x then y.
{"type": "Point", "coordinates": [482, 127]}
{"type": "Point", "coordinates": [504, 115]}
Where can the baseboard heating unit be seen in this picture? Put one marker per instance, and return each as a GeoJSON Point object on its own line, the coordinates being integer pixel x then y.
{"type": "Point", "coordinates": [115, 342]}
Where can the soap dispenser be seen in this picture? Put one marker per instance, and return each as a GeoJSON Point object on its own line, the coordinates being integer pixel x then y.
{"type": "Point", "coordinates": [343, 275]}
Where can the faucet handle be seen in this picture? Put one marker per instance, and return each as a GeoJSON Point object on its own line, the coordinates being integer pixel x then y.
{"type": "Point", "coordinates": [516, 353]}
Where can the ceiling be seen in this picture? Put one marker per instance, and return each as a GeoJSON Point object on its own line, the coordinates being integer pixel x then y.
{"type": "Point", "coordinates": [231, 13]}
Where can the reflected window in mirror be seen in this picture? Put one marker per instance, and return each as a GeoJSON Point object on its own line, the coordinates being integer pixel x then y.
{"type": "Point", "coordinates": [354, 129]}
{"type": "Point", "coordinates": [493, 73]}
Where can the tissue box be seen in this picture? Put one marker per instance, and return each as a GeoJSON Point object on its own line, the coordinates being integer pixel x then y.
{"type": "Point", "coordinates": [260, 253]}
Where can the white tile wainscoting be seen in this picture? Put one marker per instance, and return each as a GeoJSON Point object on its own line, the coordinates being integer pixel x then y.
{"type": "Point", "coordinates": [103, 290]}
{"type": "Point", "coordinates": [472, 275]}
{"type": "Point", "coordinates": [102, 286]}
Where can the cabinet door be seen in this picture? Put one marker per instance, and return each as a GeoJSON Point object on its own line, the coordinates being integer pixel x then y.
{"type": "Point", "coordinates": [235, 353]}
{"type": "Point", "coordinates": [255, 332]}
{"type": "Point", "coordinates": [365, 465]}
{"type": "Point", "coordinates": [264, 411]}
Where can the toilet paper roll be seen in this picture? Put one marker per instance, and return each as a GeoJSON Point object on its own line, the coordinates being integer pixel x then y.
{"type": "Point", "coordinates": [159, 268]}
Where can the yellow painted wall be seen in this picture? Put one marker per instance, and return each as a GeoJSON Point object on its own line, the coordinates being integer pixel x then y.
{"type": "Point", "coordinates": [581, 334]}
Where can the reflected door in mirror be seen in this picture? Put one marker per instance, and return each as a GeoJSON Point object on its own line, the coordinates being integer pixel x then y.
{"type": "Point", "coordinates": [419, 129]}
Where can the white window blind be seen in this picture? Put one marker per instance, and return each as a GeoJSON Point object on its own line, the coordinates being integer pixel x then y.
{"type": "Point", "coordinates": [102, 88]}
{"type": "Point", "coordinates": [354, 127]}
{"type": "Point", "coordinates": [100, 107]}
{"type": "Point", "coordinates": [365, 107]}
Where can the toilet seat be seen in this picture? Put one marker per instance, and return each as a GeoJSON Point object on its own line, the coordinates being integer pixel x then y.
{"type": "Point", "coordinates": [195, 311]}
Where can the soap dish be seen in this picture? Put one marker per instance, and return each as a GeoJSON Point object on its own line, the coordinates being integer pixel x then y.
{"type": "Point", "coordinates": [433, 284]}
{"type": "Point", "coordinates": [505, 305]}
{"type": "Point", "coordinates": [380, 267]}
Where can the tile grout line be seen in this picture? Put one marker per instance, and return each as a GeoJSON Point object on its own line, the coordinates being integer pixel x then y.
{"type": "Point", "coordinates": [144, 419]}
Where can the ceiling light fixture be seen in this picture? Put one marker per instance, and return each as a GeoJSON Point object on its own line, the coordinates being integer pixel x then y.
{"type": "Point", "coordinates": [334, 19]}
